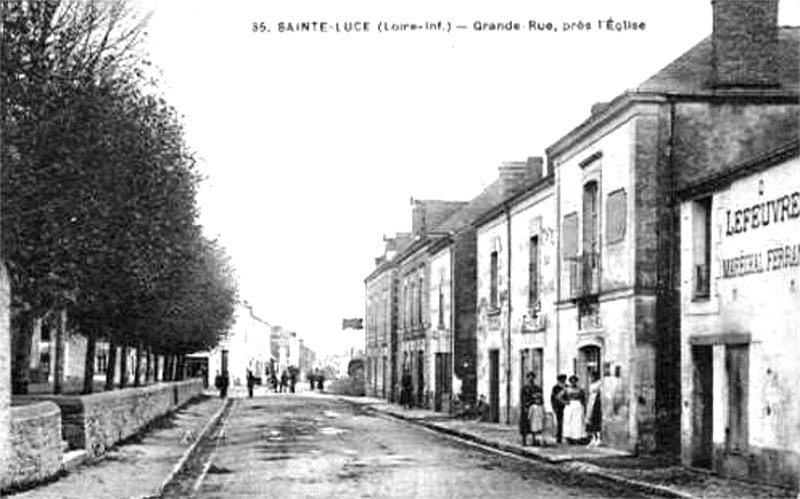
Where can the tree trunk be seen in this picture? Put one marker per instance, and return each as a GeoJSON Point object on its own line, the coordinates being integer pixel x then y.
{"type": "Point", "coordinates": [88, 365]}
{"type": "Point", "coordinates": [59, 332]}
{"type": "Point", "coordinates": [156, 362]}
{"type": "Point", "coordinates": [137, 369]}
{"type": "Point", "coordinates": [167, 368]}
{"type": "Point", "coordinates": [181, 365]}
{"type": "Point", "coordinates": [111, 368]}
{"type": "Point", "coordinates": [21, 331]}
{"type": "Point", "coordinates": [147, 364]}
{"type": "Point", "coordinates": [123, 367]}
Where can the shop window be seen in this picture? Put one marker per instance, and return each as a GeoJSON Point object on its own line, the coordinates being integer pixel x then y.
{"type": "Point", "coordinates": [616, 216]}
{"type": "Point", "coordinates": [701, 248]}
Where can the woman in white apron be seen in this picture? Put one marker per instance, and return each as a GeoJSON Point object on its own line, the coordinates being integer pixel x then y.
{"type": "Point", "coordinates": [574, 400]}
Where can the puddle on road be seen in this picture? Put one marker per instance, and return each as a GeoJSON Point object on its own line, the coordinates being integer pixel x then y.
{"type": "Point", "coordinates": [330, 430]}
{"type": "Point", "coordinates": [331, 414]}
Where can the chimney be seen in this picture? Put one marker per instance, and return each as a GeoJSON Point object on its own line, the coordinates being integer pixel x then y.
{"type": "Point", "coordinates": [598, 106]}
{"type": "Point", "coordinates": [744, 43]}
{"type": "Point", "coordinates": [514, 175]}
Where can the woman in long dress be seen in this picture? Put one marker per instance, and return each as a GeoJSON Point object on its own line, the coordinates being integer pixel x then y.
{"type": "Point", "coordinates": [531, 419]}
{"type": "Point", "coordinates": [574, 399]}
{"type": "Point", "coordinates": [594, 412]}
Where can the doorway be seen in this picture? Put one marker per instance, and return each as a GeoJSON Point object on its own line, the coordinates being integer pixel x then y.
{"type": "Point", "coordinates": [702, 406]}
{"type": "Point", "coordinates": [443, 379]}
{"type": "Point", "coordinates": [589, 361]}
{"type": "Point", "coordinates": [494, 385]}
{"type": "Point", "coordinates": [420, 378]}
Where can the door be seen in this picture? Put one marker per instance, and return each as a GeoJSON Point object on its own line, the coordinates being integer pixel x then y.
{"type": "Point", "coordinates": [589, 358]}
{"type": "Point", "coordinates": [736, 365]}
{"type": "Point", "coordinates": [421, 378]}
{"type": "Point", "coordinates": [494, 385]}
{"type": "Point", "coordinates": [702, 407]}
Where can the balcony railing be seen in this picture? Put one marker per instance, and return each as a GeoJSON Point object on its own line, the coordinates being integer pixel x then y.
{"type": "Point", "coordinates": [584, 275]}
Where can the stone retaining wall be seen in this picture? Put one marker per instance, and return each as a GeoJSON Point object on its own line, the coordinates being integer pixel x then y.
{"type": "Point", "coordinates": [35, 444]}
{"type": "Point", "coordinates": [98, 421]}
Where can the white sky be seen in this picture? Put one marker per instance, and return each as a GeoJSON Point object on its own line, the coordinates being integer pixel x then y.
{"type": "Point", "coordinates": [313, 143]}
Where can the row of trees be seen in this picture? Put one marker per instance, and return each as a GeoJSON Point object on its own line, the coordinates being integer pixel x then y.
{"type": "Point", "coordinates": [98, 188]}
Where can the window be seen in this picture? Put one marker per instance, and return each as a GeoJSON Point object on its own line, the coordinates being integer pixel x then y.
{"type": "Point", "coordinates": [405, 305]}
{"type": "Point", "coordinates": [590, 218]}
{"type": "Point", "coordinates": [533, 275]}
{"type": "Point", "coordinates": [420, 318]}
{"type": "Point", "coordinates": [701, 248]}
{"type": "Point", "coordinates": [616, 216]}
{"type": "Point", "coordinates": [569, 236]}
{"type": "Point", "coordinates": [441, 305]}
{"type": "Point", "coordinates": [493, 280]}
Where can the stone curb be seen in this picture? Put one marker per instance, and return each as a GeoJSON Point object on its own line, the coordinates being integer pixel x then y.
{"type": "Point", "coordinates": [572, 466]}
{"type": "Point", "coordinates": [192, 448]}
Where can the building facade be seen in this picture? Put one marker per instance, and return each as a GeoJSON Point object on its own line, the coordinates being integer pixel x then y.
{"type": "Point", "coordinates": [516, 331]}
{"type": "Point", "coordinates": [740, 238]}
{"type": "Point", "coordinates": [414, 301]}
{"type": "Point", "coordinates": [381, 322]}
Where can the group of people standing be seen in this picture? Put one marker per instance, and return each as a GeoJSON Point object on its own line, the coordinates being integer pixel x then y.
{"type": "Point", "coordinates": [578, 417]}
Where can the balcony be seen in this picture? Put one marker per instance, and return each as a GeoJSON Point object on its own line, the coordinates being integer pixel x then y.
{"type": "Point", "coordinates": [584, 275]}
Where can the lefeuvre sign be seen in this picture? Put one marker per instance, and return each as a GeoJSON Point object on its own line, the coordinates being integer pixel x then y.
{"type": "Point", "coordinates": [776, 217]}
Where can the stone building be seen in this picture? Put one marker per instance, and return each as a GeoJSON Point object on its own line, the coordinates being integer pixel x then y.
{"type": "Point", "coordinates": [381, 321]}
{"type": "Point", "coordinates": [740, 319]}
{"type": "Point", "coordinates": [516, 331]}
{"type": "Point", "coordinates": [413, 286]}
{"type": "Point", "coordinates": [452, 332]}
{"type": "Point", "coordinates": [731, 96]}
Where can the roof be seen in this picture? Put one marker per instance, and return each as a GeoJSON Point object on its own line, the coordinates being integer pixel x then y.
{"type": "Point", "coordinates": [531, 187]}
{"type": "Point", "coordinates": [748, 167]}
{"type": "Point", "coordinates": [691, 72]}
{"type": "Point", "coordinates": [688, 76]}
{"type": "Point", "coordinates": [489, 197]}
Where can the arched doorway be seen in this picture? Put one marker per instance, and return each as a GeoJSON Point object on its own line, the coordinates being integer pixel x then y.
{"type": "Point", "coordinates": [589, 360]}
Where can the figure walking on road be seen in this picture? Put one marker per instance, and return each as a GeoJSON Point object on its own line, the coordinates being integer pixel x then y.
{"type": "Point", "coordinates": [558, 405]}
{"type": "Point", "coordinates": [284, 381]}
{"type": "Point", "coordinates": [531, 418]}
{"type": "Point", "coordinates": [405, 389]}
{"type": "Point", "coordinates": [221, 382]}
{"type": "Point", "coordinates": [574, 400]}
{"type": "Point", "coordinates": [251, 383]}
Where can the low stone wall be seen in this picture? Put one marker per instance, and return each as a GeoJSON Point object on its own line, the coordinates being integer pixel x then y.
{"type": "Point", "coordinates": [98, 421]}
{"type": "Point", "coordinates": [35, 444]}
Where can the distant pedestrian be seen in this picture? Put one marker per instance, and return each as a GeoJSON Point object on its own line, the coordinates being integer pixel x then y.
{"type": "Point", "coordinates": [574, 400]}
{"type": "Point", "coordinates": [251, 383]}
{"type": "Point", "coordinates": [558, 405]}
{"type": "Point", "coordinates": [292, 379]}
{"type": "Point", "coordinates": [221, 382]}
{"type": "Point", "coordinates": [321, 381]}
{"type": "Point", "coordinates": [531, 419]}
{"type": "Point", "coordinates": [594, 411]}
{"type": "Point", "coordinates": [284, 380]}
{"type": "Point", "coordinates": [405, 389]}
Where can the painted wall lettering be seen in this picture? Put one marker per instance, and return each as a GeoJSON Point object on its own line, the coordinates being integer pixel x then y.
{"type": "Point", "coordinates": [774, 211]}
{"type": "Point", "coordinates": [777, 258]}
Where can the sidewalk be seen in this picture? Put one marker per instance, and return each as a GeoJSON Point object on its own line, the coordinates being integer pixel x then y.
{"type": "Point", "coordinates": [649, 474]}
{"type": "Point", "coordinates": [139, 467]}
